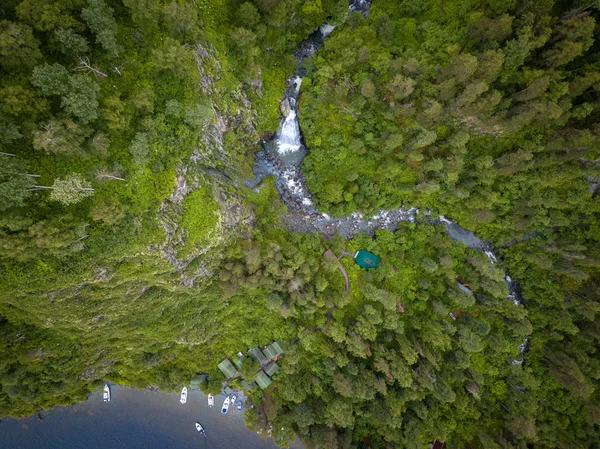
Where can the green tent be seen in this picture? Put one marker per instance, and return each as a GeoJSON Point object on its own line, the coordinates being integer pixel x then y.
{"type": "Point", "coordinates": [227, 368]}
{"type": "Point", "coordinates": [366, 259]}
{"type": "Point", "coordinates": [271, 369]}
{"type": "Point", "coordinates": [262, 380]}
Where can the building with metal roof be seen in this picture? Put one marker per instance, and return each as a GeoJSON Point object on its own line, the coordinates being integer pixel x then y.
{"type": "Point", "coordinates": [262, 380]}
{"type": "Point", "coordinates": [227, 368]}
{"type": "Point", "coordinates": [257, 355]}
{"type": "Point", "coordinates": [271, 369]}
{"type": "Point", "coordinates": [366, 259]}
{"type": "Point", "coordinates": [273, 350]}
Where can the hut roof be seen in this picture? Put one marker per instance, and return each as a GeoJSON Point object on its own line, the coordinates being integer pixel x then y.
{"type": "Point", "coordinates": [273, 350]}
{"type": "Point", "coordinates": [257, 355]}
{"type": "Point", "coordinates": [227, 368]}
{"type": "Point", "coordinates": [196, 381]}
{"type": "Point", "coordinates": [262, 380]}
{"type": "Point", "coordinates": [238, 362]}
{"type": "Point", "coordinates": [271, 369]}
{"type": "Point", "coordinates": [247, 385]}
{"type": "Point", "coordinates": [366, 259]}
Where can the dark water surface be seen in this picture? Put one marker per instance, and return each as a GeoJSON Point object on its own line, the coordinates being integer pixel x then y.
{"type": "Point", "coordinates": [134, 419]}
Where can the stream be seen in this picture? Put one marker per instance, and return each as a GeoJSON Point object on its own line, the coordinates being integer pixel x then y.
{"type": "Point", "coordinates": [282, 157]}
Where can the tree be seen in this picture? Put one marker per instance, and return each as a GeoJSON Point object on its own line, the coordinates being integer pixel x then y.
{"type": "Point", "coordinates": [181, 19]}
{"type": "Point", "coordinates": [78, 93]}
{"type": "Point", "coordinates": [368, 89]}
{"type": "Point", "coordinates": [51, 79]}
{"type": "Point", "coordinates": [139, 149]}
{"type": "Point", "coordinates": [70, 43]}
{"type": "Point", "coordinates": [575, 35]}
{"type": "Point", "coordinates": [70, 190]}
{"type": "Point", "coordinates": [99, 18]}
{"type": "Point", "coordinates": [60, 136]}
{"type": "Point", "coordinates": [81, 101]}
{"type": "Point", "coordinates": [248, 15]}
{"type": "Point", "coordinates": [108, 210]}
{"type": "Point", "coordinates": [15, 182]}
{"type": "Point", "coordinates": [18, 47]}
{"type": "Point", "coordinates": [173, 57]}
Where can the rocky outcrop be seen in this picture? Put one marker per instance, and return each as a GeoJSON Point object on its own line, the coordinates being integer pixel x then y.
{"type": "Point", "coordinates": [284, 107]}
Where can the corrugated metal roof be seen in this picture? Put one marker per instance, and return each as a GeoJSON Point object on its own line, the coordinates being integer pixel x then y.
{"type": "Point", "coordinates": [257, 355]}
{"type": "Point", "coordinates": [227, 368]}
{"type": "Point", "coordinates": [262, 380]}
{"type": "Point", "coordinates": [271, 369]}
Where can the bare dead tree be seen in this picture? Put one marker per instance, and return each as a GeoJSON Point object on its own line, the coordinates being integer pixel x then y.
{"type": "Point", "coordinates": [116, 70]}
{"type": "Point", "coordinates": [105, 174]}
{"type": "Point", "coordinates": [84, 64]}
{"type": "Point", "coordinates": [7, 154]}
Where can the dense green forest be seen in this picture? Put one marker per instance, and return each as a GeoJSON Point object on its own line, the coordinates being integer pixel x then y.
{"type": "Point", "coordinates": [132, 252]}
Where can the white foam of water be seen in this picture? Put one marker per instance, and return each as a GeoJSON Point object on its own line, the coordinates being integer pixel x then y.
{"type": "Point", "coordinates": [297, 82]}
{"type": "Point", "coordinates": [326, 29]}
{"type": "Point", "coordinates": [491, 256]}
{"type": "Point", "coordinates": [326, 217]}
{"type": "Point", "coordinates": [307, 202]}
{"type": "Point", "coordinates": [289, 137]}
{"type": "Point", "coordinates": [293, 186]}
{"type": "Point", "coordinates": [444, 220]}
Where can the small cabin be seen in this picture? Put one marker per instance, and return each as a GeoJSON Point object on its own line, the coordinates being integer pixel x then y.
{"type": "Point", "coordinates": [366, 259]}
{"type": "Point", "coordinates": [196, 381]}
{"type": "Point", "coordinates": [258, 355]}
{"type": "Point", "coordinates": [262, 380]}
{"type": "Point", "coordinates": [271, 369]}
{"type": "Point", "coordinates": [273, 350]}
{"type": "Point", "coordinates": [227, 369]}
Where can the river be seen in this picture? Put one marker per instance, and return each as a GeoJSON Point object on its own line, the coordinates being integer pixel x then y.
{"type": "Point", "coordinates": [134, 419]}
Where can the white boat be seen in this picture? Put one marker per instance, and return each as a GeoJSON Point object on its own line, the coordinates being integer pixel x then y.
{"type": "Point", "coordinates": [211, 400]}
{"type": "Point", "coordinates": [106, 395]}
{"type": "Point", "coordinates": [239, 405]}
{"type": "Point", "coordinates": [226, 403]}
{"type": "Point", "coordinates": [233, 398]}
{"type": "Point", "coordinates": [183, 399]}
{"type": "Point", "coordinates": [200, 429]}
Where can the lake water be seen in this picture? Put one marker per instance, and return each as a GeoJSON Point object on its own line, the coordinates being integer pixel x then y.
{"type": "Point", "coordinates": [134, 419]}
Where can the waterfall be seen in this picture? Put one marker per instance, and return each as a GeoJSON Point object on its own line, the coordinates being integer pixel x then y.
{"type": "Point", "coordinates": [326, 29]}
{"type": "Point", "coordinates": [289, 136]}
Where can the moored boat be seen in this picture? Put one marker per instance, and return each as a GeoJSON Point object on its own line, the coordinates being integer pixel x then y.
{"type": "Point", "coordinates": [106, 395]}
{"type": "Point", "coordinates": [239, 405]}
{"type": "Point", "coordinates": [200, 429]}
{"type": "Point", "coordinates": [211, 400]}
{"type": "Point", "coordinates": [225, 407]}
{"type": "Point", "coordinates": [233, 398]}
{"type": "Point", "coordinates": [183, 398]}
